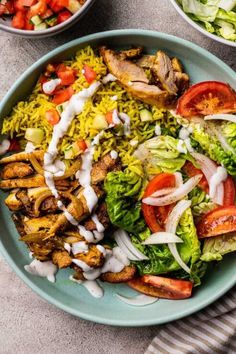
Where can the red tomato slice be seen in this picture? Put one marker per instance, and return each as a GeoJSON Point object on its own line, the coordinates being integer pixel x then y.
{"type": "Point", "coordinates": [67, 77]}
{"type": "Point", "coordinates": [229, 191]}
{"type": "Point", "coordinates": [89, 74]}
{"type": "Point", "coordinates": [52, 116]}
{"type": "Point", "coordinates": [18, 20]}
{"type": "Point", "coordinates": [63, 16]}
{"type": "Point", "coordinates": [162, 287]}
{"type": "Point", "coordinates": [209, 97]}
{"type": "Point", "coordinates": [151, 213]}
{"type": "Point", "coordinates": [109, 117]}
{"type": "Point", "coordinates": [191, 171]}
{"type": "Point", "coordinates": [217, 222]}
{"type": "Point", "coordinates": [64, 95]}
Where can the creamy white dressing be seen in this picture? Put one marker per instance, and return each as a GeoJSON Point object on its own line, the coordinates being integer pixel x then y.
{"type": "Point", "coordinates": [115, 117]}
{"type": "Point", "coordinates": [29, 147]}
{"type": "Point", "coordinates": [88, 235]}
{"type": "Point", "coordinates": [184, 133]}
{"type": "Point", "coordinates": [79, 247]}
{"type": "Point", "coordinates": [114, 98]}
{"type": "Point", "coordinates": [91, 285]}
{"type": "Point", "coordinates": [113, 265]}
{"type": "Point", "coordinates": [216, 179]}
{"type": "Point", "coordinates": [133, 142]}
{"type": "Point", "coordinates": [43, 269]}
{"type": "Point", "coordinates": [67, 214]}
{"type": "Point", "coordinates": [181, 147]}
{"type": "Point", "coordinates": [157, 130]}
{"type": "Point", "coordinates": [102, 250]}
{"type": "Point", "coordinates": [67, 247]}
{"type": "Point", "coordinates": [82, 265]}
{"type": "Point", "coordinates": [50, 86]}
{"type": "Point", "coordinates": [126, 119]}
{"type": "Point", "coordinates": [93, 274]}
{"type": "Point", "coordinates": [98, 224]}
{"type": "Point", "coordinates": [109, 78]}
{"type": "Point", "coordinates": [4, 146]}
{"type": "Point", "coordinates": [114, 154]}
{"type": "Point", "coordinates": [120, 255]}
{"type": "Point", "coordinates": [91, 197]}
{"type": "Point", "coordinates": [31, 255]}
{"type": "Point", "coordinates": [98, 235]}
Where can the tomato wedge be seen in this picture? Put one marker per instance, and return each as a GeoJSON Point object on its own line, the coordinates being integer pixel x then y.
{"type": "Point", "coordinates": [191, 171]}
{"type": "Point", "coordinates": [89, 74]}
{"type": "Point", "coordinates": [18, 20]}
{"type": "Point", "coordinates": [217, 222]}
{"type": "Point", "coordinates": [63, 16]}
{"type": "Point", "coordinates": [67, 76]}
{"type": "Point", "coordinates": [109, 117]}
{"type": "Point", "coordinates": [52, 116]}
{"type": "Point", "coordinates": [61, 96]}
{"type": "Point", "coordinates": [155, 217]}
{"type": "Point", "coordinates": [229, 191]}
{"type": "Point", "coordinates": [209, 97]}
{"type": "Point", "coordinates": [166, 288]}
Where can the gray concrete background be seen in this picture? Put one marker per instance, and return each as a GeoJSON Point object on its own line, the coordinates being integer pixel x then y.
{"type": "Point", "coordinates": [27, 323]}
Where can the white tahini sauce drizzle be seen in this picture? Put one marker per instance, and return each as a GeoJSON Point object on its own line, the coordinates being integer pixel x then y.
{"type": "Point", "coordinates": [115, 117]}
{"type": "Point", "coordinates": [114, 98]}
{"type": "Point", "coordinates": [120, 255]}
{"type": "Point", "coordinates": [157, 130]}
{"type": "Point", "coordinates": [133, 142]}
{"type": "Point", "coordinates": [67, 247]}
{"type": "Point", "coordinates": [4, 146]}
{"type": "Point", "coordinates": [29, 147]}
{"type": "Point", "coordinates": [91, 285]}
{"type": "Point", "coordinates": [82, 265]}
{"type": "Point", "coordinates": [43, 269]}
{"type": "Point", "coordinates": [184, 135]}
{"type": "Point", "coordinates": [181, 147]}
{"type": "Point", "coordinates": [88, 235]}
{"type": "Point", "coordinates": [99, 226]}
{"type": "Point", "coordinates": [216, 179]}
{"type": "Point", "coordinates": [79, 247]}
{"type": "Point", "coordinates": [108, 78]}
{"type": "Point", "coordinates": [114, 154]}
{"type": "Point", "coordinates": [126, 119]}
{"type": "Point", "coordinates": [50, 86]}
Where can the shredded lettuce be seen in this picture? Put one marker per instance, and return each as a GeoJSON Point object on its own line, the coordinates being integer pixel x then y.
{"type": "Point", "coordinates": [201, 202]}
{"type": "Point", "coordinates": [215, 247]}
{"type": "Point", "coordinates": [218, 16]}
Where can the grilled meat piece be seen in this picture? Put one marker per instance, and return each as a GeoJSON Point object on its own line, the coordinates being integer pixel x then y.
{"type": "Point", "coordinates": [23, 156]}
{"type": "Point", "coordinates": [130, 53]}
{"type": "Point", "coordinates": [134, 79]}
{"type": "Point", "coordinates": [101, 168]}
{"type": "Point", "coordinates": [13, 203]}
{"type": "Point", "coordinates": [163, 72]}
{"type": "Point", "coordinates": [16, 170]}
{"type": "Point", "coordinates": [61, 258]}
{"type": "Point", "coordinates": [43, 223]}
{"type": "Point", "coordinates": [103, 217]}
{"type": "Point", "coordinates": [182, 82]}
{"type": "Point", "coordinates": [49, 205]}
{"type": "Point", "coordinates": [125, 275]}
{"type": "Point", "coordinates": [93, 258]}
{"type": "Point", "coordinates": [146, 61]}
{"type": "Point", "coordinates": [176, 65]}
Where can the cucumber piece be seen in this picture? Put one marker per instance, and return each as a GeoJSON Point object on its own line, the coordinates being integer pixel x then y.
{"type": "Point", "coordinates": [73, 6]}
{"type": "Point", "coordinates": [145, 115]}
{"type": "Point", "coordinates": [100, 122]}
{"type": "Point", "coordinates": [51, 21]}
{"type": "Point", "coordinates": [61, 107]}
{"type": "Point", "coordinates": [35, 135]}
{"type": "Point", "coordinates": [69, 153]}
{"type": "Point", "coordinates": [41, 26]}
{"type": "Point", "coordinates": [36, 20]}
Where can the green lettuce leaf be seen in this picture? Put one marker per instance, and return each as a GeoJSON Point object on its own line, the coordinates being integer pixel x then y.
{"type": "Point", "coordinates": [212, 147]}
{"type": "Point", "coordinates": [201, 202]}
{"type": "Point", "coordinates": [226, 29]}
{"type": "Point", "coordinates": [204, 12]}
{"type": "Point", "coordinates": [215, 247]}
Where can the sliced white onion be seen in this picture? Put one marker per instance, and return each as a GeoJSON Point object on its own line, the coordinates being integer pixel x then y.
{"type": "Point", "coordinates": [163, 192]}
{"type": "Point", "coordinates": [209, 169]}
{"type": "Point", "coordinates": [178, 179]}
{"type": "Point", "coordinates": [171, 226]}
{"type": "Point", "coordinates": [178, 194]}
{"type": "Point", "coordinates": [139, 300]}
{"type": "Point", "coordinates": [122, 239]}
{"type": "Point", "coordinates": [229, 117]}
{"type": "Point", "coordinates": [159, 238]}
{"type": "Point", "coordinates": [215, 181]}
{"type": "Point", "coordinates": [4, 146]}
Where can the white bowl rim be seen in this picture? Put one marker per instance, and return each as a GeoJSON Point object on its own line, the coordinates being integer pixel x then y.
{"type": "Point", "coordinates": [52, 30]}
{"type": "Point", "coordinates": [199, 28]}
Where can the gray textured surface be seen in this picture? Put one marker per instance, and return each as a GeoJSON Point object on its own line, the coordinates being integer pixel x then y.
{"type": "Point", "coordinates": [27, 323]}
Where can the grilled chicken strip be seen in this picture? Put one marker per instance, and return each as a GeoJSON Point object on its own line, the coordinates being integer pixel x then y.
{"type": "Point", "coordinates": [13, 203]}
{"type": "Point", "coordinates": [16, 170]}
{"type": "Point", "coordinates": [134, 79]}
{"type": "Point", "coordinates": [125, 275]}
{"type": "Point", "coordinates": [33, 182]}
{"type": "Point", "coordinates": [130, 53]}
{"type": "Point", "coordinates": [103, 217]}
{"type": "Point", "coordinates": [61, 258]}
{"type": "Point", "coordinates": [93, 258]}
{"type": "Point", "coordinates": [163, 72]}
{"type": "Point", "coordinates": [23, 156]}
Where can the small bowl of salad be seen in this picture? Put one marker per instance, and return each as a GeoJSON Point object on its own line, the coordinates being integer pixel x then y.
{"type": "Point", "coordinates": [216, 19]}
{"type": "Point", "coordinates": [40, 18]}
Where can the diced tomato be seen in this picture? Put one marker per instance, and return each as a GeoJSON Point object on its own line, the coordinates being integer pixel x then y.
{"type": "Point", "coordinates": [63, 16]}
{"type": "Point", "coordinates": [64, 95]}
{"type": "Point", "coordinates": [67, 77]}
{"type": "Point", "coordinates": [52, 116]}
{"type": "Point", "coordinates": [28, 25]}
{"type": "Point", "coordinates": [209, 97]}
{"type": "Point", "coordinates": [192, 171]}
{"type": "Point", "coordinates": [47, 14]}
{"type": "Point", "coordinates": [89, 74]}
{"type": "Point", "coordinates": [109, 117]}
{"type": "Point", "coordinates": [155, 217]}
{"type": "Point", "coordinates": [229, 191]}
{"type": "Point", "coordinates": [18, 5]}
{"type": "Point", "coordinates": [39, 8]}
{"type": "Point", "coordinates": [14, 145]}
{"type": "Point", "coordinates": [60, 68]}
{"type": "Point", "coordinates": [7, 8]}
{"type": "Point", "coordinates": [28, 3]}
{"type": "Point", "coordinates": [166, 288]}
{"type": "Point", "coordinates": [217, 222]}
{"type": "Point", "coordinates": [18, 20]}
{"type": "Point", "coordinates": [82, 145]}
{"type": "Point", "coordinates": [58, 5]}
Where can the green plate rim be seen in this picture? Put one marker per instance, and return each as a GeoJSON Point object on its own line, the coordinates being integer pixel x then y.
{"type": "Point", "coordinates": [115, 322]}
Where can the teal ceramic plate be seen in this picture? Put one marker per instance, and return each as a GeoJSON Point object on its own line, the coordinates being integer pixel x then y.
{"type": "Point", "coordinates": [69, 296]}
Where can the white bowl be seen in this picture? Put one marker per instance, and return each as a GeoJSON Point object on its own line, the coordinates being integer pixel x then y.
{"type": "Point", "coordinates": [199, 27]}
